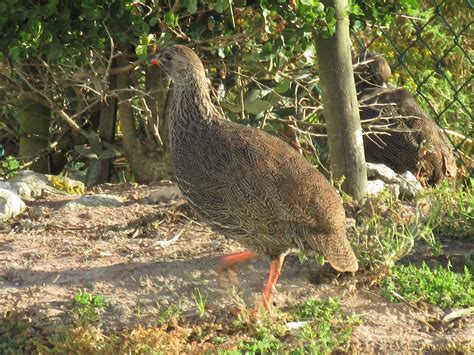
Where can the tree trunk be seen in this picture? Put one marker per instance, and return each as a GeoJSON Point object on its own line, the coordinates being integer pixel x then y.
{"type": "Point", "coordinates": [35, 119]}
{"type": "Point", "coordinates": [148, 164]}
{"type": "Point", "coordinates": [341, 108]}
{"type": "Point", "coordinates": [107, 125]}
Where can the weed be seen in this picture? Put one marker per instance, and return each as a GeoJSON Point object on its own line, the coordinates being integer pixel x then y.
{"type": "Point", "coordinates": [169, 315]}
{"type": "Point", "coordinates": [9, 167]}
{"type": "Point", "coordinates": [439, 286]}
{"type": "Point", "coordinates": [327, 329]}
{"type": "Point", "coordinates": [384, 232]}
{"type": "Point", "coordinates": [16, 336]}
{"type": "Point", "coordinates": [87, 307]}
{"type": "Point", "coordinates": [450, 210]}
{"type": "Point", "coordinates": [201, 301]}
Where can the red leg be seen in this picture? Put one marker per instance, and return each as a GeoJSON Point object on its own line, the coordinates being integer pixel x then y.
{"type": "Point", "coordinates": [275, 270]}
{"type": "Point", "coordinates": [235, 258]}
{"type": "Point", "coordinates": [228, 261]}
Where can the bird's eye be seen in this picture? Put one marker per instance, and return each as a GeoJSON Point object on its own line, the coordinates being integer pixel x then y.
{"type": "Point", "coordinates": [168, 56]}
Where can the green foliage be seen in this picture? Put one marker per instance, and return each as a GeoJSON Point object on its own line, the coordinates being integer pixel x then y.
{"type": "Point", "coordinates": [439, 286]}
{"type": "Point", "coordinates": [450, 209]}
{"type": "Point", "coordinates": [9, 167]}
{"type": "Point", "coordinates": [16, 335]}
{"type": "Point", "coordinates": [384, 232]}
{"type": "Point", "coordinates": [382, 13]}
{"type": "Point", "coordinates": [327, 329]}
{"type": "Point", "coordinates": [87, 308]}
{"type": "Point", "coordinates": [201, 301]}
{"type": "Point", "coordinates": [66, 30]}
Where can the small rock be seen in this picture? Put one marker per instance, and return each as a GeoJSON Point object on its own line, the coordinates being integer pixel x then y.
{"type": "Point", "coordinates": [165, 194]}
{"type": "Point", "coordinates": [11, 205]}
{"type": "Point", "coordinates": [374, 187]}
{"type": "Point", "coordinates": [93, 201]}
{"type": "Point", "coordinates": [35, 212]}
{"type": "Point", "coordinates": [409, 185]}
{"type": "Point", "coordinates": [394, 189]}
{"type": "Point", "coordinates": [28, 184]}
{"type": "Point", "coordinates": [382, 172]}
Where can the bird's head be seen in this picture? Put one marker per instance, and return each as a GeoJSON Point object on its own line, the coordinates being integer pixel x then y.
{"type": "Point", "coordinates": [180, 63]}
{"type": "Point", "coordinates": [372, 68]}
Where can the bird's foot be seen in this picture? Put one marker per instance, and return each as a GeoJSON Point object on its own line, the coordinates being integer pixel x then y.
{"type": "Point", "coordinates": [227, 266]}
{"type": "Point", "coordinates": [227, 277]}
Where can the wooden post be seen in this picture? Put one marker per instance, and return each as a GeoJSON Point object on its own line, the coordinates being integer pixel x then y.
{"type": "Point", "coordinates": [341, 108]}
{"type": "Point", "coordinates": [107, 125]}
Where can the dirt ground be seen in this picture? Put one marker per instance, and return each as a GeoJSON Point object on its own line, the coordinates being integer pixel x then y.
{"type": "Point", "coordinates": [48, 254]}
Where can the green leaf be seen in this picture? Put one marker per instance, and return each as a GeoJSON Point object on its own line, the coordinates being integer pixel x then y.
{"type": "Point", "coordinates": [283, 86]}
{"type": "Point", "coordinates": [153, 21]}
{"type": "Point", "coordinates": [170, 19]}
{"type": "Point", "coordinates": [110, 154]}
{"type": "Point", "coordinates": [141, 50]}
{"type": "Point", "coordinates": [257, 106]}
{"type": "Point", "coordinates": [192, 6]}
{"type": "Point", "coordinates": [221, 5]}
{"type": "Point", "coordinates": [15, 53]}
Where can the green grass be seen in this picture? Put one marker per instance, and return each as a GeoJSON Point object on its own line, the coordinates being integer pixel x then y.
{"type": "Point", "coordinates": [438, 286]}
{"type": "Point", "coordinates": [87, 308]}
{"type": "Point", "coordinates": [9, 167]}
{"type": "Point", "coordinates": [200, 300]}
{"type": "Point", "coordinates": [325, 329]}
{"type": "Point", "coordinates": [17, 336]}
{"type": "Point", "coordinates": [387, 229]}
{"type": "Point", "coordinates": [451, 209]}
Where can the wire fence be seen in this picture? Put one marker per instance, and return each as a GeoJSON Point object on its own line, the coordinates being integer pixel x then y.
{"type": "Point", "coordinates": [431, 56]}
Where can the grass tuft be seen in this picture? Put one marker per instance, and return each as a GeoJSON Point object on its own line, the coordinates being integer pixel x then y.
{"type": "Point", "coordinates": [439, 286]}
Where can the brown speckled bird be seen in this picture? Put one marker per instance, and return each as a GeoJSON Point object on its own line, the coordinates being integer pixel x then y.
{"type": "Point", "coordinates": [414, 142]}
{"type": "Point", "coordinates": [246, 184]}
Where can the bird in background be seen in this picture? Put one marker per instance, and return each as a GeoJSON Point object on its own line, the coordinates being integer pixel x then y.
{"type": "Point", "coordinates": [247, 184]}
{"type": "Point", "coordinates": [412, 141]}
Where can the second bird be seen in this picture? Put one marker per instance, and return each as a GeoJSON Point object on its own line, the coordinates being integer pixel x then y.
{"type": "Point", "coordinates": [246, 184]}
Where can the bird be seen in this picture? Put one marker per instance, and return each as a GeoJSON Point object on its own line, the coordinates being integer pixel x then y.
{"type": "Point", "coordinates": [409, 140]}
{"type": "Point", "coordinates": [246, 184]}
{"type": "Point", "coordinates": [371, 70]}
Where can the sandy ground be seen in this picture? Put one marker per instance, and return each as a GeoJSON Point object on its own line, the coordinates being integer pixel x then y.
{"type": "Point", "coordinates": [48, 254]}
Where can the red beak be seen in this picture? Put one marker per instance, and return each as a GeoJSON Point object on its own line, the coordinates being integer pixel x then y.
{"type": "Point", "coordinates": [155, 61]}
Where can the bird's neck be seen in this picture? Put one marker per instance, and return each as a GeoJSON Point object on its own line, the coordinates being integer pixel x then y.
{"type": "Point", "coordinates": [192, 102]}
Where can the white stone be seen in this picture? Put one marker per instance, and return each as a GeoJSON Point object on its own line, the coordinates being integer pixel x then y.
{"type": "Point", "coordinates": [409, 185]}
{"type": "Point", "coordinates": [374, 187]}
{"type": "Point", "coordinates": [382, 172]}
{"type": "Point", "coordinates": [100, 200]}
{"type": "Point", "coordinates": [11, 205]}
{"type": "Point", "coordinates": [165, 194]}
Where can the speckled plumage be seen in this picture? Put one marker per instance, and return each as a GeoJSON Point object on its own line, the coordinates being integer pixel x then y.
{"type": "Point", "coordinates": [245, 183]}
{"type": "Point", "coordinates": [415, 143]}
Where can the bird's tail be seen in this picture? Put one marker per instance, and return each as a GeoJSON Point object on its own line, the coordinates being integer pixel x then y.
{"type": "Point", "coordinates": [336, 249]}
